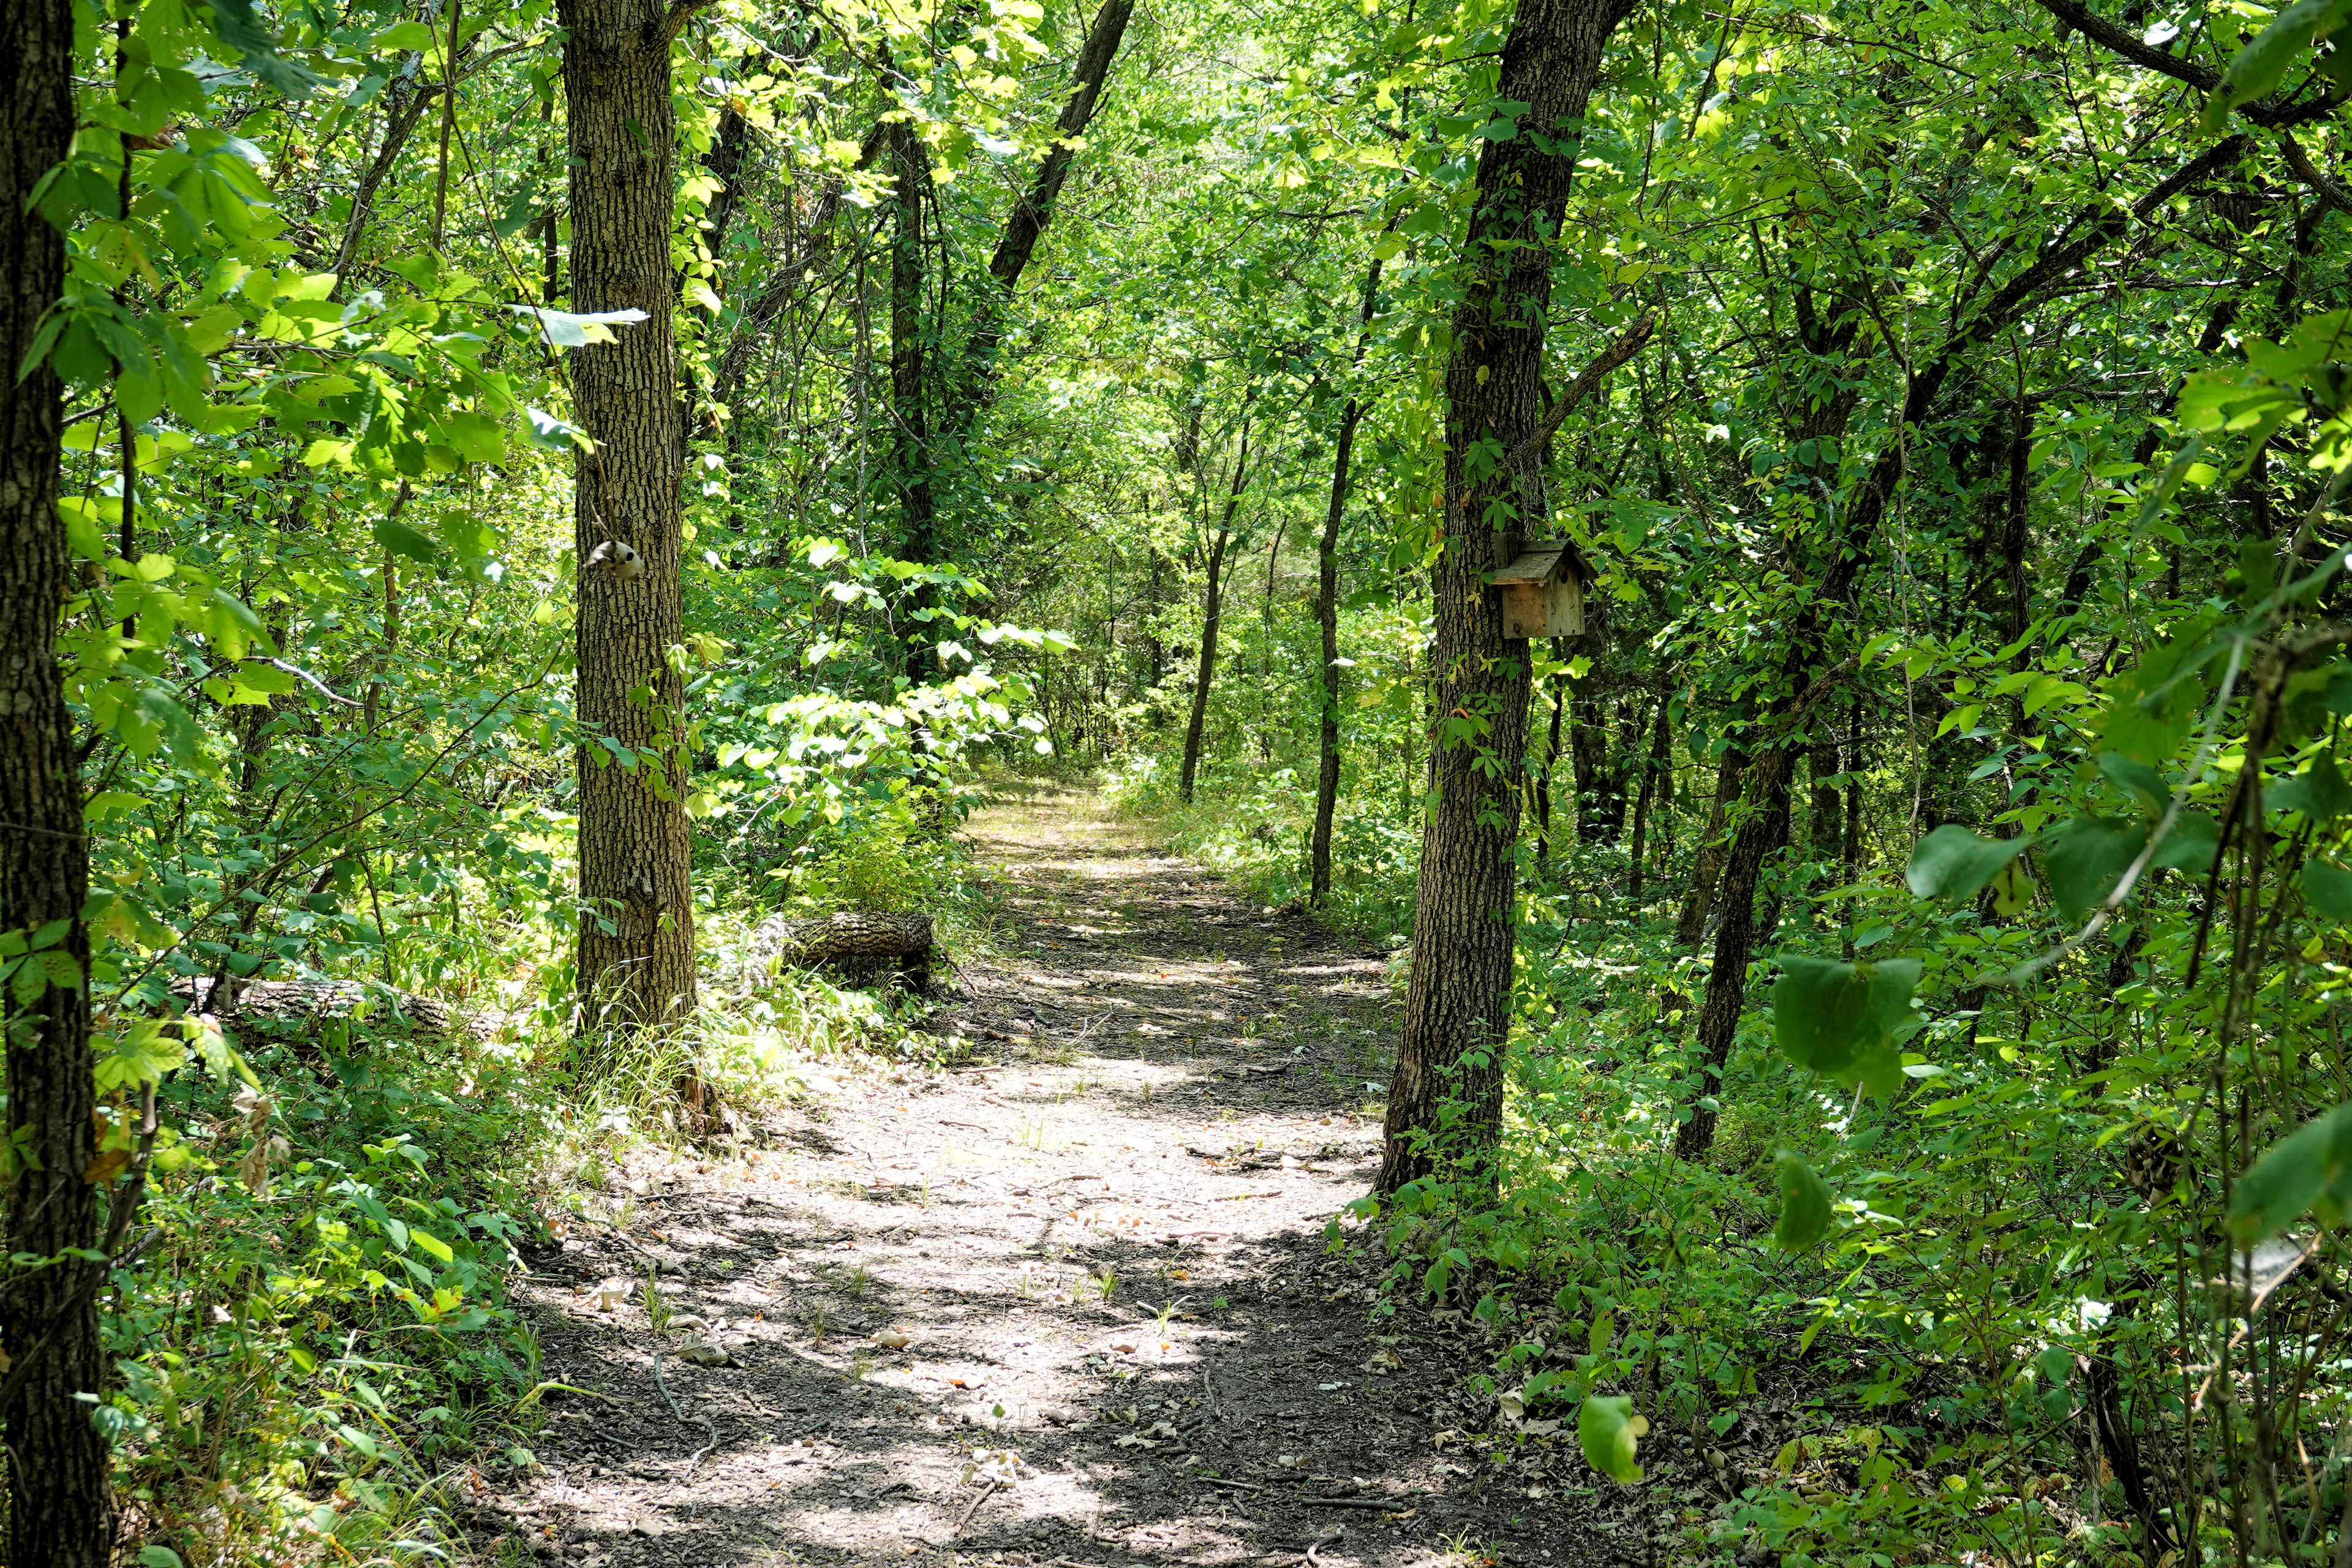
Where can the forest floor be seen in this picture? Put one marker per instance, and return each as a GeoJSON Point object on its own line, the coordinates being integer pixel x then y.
{"type": "Point", "coordinates": [1069, 1305]}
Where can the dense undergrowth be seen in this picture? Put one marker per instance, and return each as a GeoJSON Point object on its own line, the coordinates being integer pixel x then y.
{"type": "Point", "coordinates": [2024, 1292]}
{"type": "Point", "coordinates": [314, 1337]}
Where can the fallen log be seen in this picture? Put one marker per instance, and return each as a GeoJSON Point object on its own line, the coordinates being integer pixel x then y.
{"type": "Point", "coordinates": [864, 945]}
{"type": "Point", "coordinates": [304, 1002]}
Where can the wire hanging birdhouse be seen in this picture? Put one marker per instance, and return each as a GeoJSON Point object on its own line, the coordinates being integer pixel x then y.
{"type": "Point", "coordinates": [1543, 591]}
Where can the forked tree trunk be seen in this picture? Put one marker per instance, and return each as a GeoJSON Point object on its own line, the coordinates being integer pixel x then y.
{"type": "Point", "coordinates": [1327, 615]}
{"type": "Point", "coordinates": [60, 1508]}
{"type": "Point", "coordinates": [1210, 607]}
{"type": "Point", "coordinates": [1806, 641]}
{"type": "Point", "coordinates": [1457, 1006]}
{"type": "Point", "coordinates": [1194, 726]}
{"type": "Point", "coordinates": [636, 938]}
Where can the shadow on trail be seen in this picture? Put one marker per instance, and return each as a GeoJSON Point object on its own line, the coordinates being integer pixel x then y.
{"type": "Point", "coordinates": [1069, 1305]}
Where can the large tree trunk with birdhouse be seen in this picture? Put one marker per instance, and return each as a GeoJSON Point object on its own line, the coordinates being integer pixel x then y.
{"type": "Point", "coordinates": [1456, 1011]}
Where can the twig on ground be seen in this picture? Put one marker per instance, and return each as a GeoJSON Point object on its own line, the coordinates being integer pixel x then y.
{"type": "Point", "coordinates": [684, 1419]}
{"type": "Point", "coordinates": [973, 1508]}
{"type": "Point", "coordinates": [1378, 1505]}
{"type": "Point", "coordinates": [1328, 1536]}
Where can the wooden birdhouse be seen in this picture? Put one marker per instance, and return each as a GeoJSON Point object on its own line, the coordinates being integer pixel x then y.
{"type": "Point", "coordinates": [1543, 591]}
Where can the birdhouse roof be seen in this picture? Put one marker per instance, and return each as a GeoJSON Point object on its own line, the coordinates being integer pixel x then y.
{"type": "Point", "coordinates": [1543, 562]}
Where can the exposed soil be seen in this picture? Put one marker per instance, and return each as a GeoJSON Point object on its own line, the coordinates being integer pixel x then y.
{"type": "Point", "coordinates": [1071, 1306]}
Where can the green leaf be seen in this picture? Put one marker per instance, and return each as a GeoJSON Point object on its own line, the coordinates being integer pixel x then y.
{"type": "Point", "coordinates": [245, 34]}
{"type": "Point", "coordinates": [545, 430]}
{"type": "Point", "coordinates": [2318, 792]}
{"type": "Point", "coordinates": [2084, 859]}
{"type": "Point", "coordinates": [2327, 888]}
{"type": "Point", "coordinates": [402, 540]}
{"type": "Point", "coordinates": [1804, 1202]}
{"type": "Point", "coordinates": [1837, 1017]}
{"type": "Point", "coordinates": [159, 1557]}
{"type": "Point", "coordinates": [433, 1244]}
{"type": "Point", "coordinates": [403, 36]}
{"type": "Point", "coordinates": [1954, 863]}
{"type": "Point", "coordinates": [2312, 1167]}
{"type": "Point", "coordinates": [2188, 846]}
{"type": "Point", "coordinates": [2138, 779]}
{"type": "Point", "coordinates": [2013, 889]}
{"type": "Point", "coordinates": [477, 436]}
{"type": "Point", "coordinates": [1606, 1428]}
{"type": "Point", "coordinates": [2259, 67]}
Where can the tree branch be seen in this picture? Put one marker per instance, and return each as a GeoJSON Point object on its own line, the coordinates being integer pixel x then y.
{"type": "Point", "coordinates": [975, 379]}
{"type": "Point", "coordinates": [1629, 343]}
{"type": "Point", "coordinates": [2331, 191]}
{"type": "Point", "coordinates": [2122, 41]}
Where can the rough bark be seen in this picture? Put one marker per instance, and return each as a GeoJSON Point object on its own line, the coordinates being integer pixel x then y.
{"type": "Point", "coordinates": [1026, 225]}
{"type": "Point", "coordinates": [60, 1508]}
{"type": "Point", "coordinates": [1456, 1011]}
{"type": "Point", "coordinates": [298, 1002]}
{"type": "Point", "coordinates": [1327, 615]}
{"type": "Point", "coordinates": [867, 945]}
{"type": "Point", "coordinates": [1752, 844]}
{"type": "Point", "coordinates": [636, 940]}
{"type": "Point", "coordinates": [853, 934]}
{"type": "Point", "coordinates": [911, 425]}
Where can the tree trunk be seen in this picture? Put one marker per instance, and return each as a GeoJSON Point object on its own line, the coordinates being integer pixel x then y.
{"type": "Point", "coordinates": [1457, 1006]}
{"type": "Point", "coordinates": [1807, 645]}
{"type": "Point", "coordinates": [636, 940]}
{"type": "Point", "coordinates": [1206, 674]}
{"type": "Point", "coordinates": [1327, 613]}
{"type": "Point", "coordinates": [1654, 768]}
{"type": "Point", "coordinates": [910, 430]}
{"type": "Point", "coordinates": [1599, 772]}
{"type": "Point", "coordinates": [2017, 594]}
{"type": "Point", "coordinates": [60, 1510]}
{"type": "Point", "coordinates": [976, 382]}
{"type": "Point", "coordinates": [1550, 776]}
{"type": "Point", "coordinates": [1825, 812]}
{"type": "Point", "coordinates": [761, 311]}
{"type": "Point", "coordinates": [1765, 829]}
{"type": "Point", "coordinates": [1698, 901]}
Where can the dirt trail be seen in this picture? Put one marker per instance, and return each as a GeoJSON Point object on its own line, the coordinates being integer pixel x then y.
{"type": "Point", "coordinates": [1069, 1307]}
